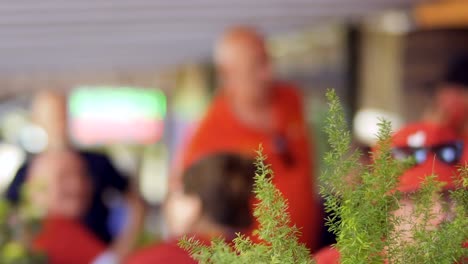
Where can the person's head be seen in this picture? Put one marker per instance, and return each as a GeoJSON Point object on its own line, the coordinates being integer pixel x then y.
{"type": "Point", "coordinates": [452, 94]}
{"type": "Point", "coordinates": [58, 184]}
{"type": "Point", "coordinates": [216, 193]}
{"type": "Point", "coordinates": [243, 64]}
{"type": "Point", "coordinates": [49, 111]}
{"type": "Point", "coordinates": [437, 151]}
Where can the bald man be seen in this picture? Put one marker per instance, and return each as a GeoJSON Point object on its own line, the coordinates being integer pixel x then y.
{"type": "Point", "coordinates": [251, 108]}
{"type": "Point", "coordinates": [49, 111]}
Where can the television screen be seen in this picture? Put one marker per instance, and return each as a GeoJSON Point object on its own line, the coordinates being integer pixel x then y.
{"type": "Point", "coordinates": [107, 115]}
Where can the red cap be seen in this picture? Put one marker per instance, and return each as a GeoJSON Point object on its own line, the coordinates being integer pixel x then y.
{"type": "Point", "coordinates": [420, 135]}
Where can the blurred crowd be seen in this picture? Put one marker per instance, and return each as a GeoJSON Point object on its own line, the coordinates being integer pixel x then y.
{"type": "Point", "coordinates": [210, 190]}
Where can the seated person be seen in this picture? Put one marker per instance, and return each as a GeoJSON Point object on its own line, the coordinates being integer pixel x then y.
{"type": "Point", "coordinates": [58, 184]}
{"type": "Point", "coordinates": [49, 111]}
{"type": "Point", "coordinates": [58, 190]}
{"type": "Point", "coordinates": [215, 202]}
{"type": "Point", "coordinates": [443, 164]}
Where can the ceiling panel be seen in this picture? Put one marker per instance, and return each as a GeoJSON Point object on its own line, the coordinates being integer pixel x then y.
{"type": "Point", "coordinates": [48, 35]}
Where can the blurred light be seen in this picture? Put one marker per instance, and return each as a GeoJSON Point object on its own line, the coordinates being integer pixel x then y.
{"type": "Point", "coordinates": [125, 158]}
{"type": "Point", "coordinates": [11, 158]}
{"type": "Point", "coordinates": [442, 14]}
{"type": "Point", "coordinates": [13, 122]}
{"type": "Point", "coordinates": [154, 174]}
{"type": "Point", "coordinates": [106, 115]}
{"type": "Point", "coordinates": [396, 22]}
{"type": "Point", "coordinates": [191, 97]}
{"type": "Point", "coordinates": [33, 138]}
{"type": "Point", "coordinates": [365, 124]}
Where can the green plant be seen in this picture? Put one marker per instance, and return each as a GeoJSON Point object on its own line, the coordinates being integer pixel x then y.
{"type": "Point", "coordinates": [279, 240]}
{"type": "Point", "coordinates": [361, 201]}
{"type": "Point", "coordinates": [17, 227]}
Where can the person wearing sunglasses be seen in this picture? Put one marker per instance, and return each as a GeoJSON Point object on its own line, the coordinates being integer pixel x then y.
{"type": "Point", "coordinates": [435, 150]}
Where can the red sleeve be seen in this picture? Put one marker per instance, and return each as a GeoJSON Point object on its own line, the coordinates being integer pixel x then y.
{"type": "Point", "coordinates": [67, 241]}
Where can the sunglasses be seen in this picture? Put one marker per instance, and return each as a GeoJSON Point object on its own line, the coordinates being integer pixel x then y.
{"type": "Point", "coordinates": [448, 153]}
{"type": "Point", "coordinates": [282, 148]}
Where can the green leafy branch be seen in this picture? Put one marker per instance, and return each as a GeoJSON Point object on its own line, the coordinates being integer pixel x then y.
{"type": "Point", "coordinates": [361, 202]}
{"type": "Point", "coordinates": [279, 243]}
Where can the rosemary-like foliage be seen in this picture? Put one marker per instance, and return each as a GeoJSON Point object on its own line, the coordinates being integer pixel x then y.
{"type": "Point", "coordinates": [361, 201]}
{"type": "Point", "coordinates": [279, 239]}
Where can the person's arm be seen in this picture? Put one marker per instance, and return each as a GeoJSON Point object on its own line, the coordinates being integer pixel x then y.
{"type": "Point", "coordinates": [124, 243]}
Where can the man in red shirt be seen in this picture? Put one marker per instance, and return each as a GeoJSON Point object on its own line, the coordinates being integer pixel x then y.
{"type": "Point", "coordinates": [250, 109]}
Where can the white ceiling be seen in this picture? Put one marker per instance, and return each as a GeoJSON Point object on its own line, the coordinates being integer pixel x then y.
{"type": "Point", "coordinates": [47, 35]}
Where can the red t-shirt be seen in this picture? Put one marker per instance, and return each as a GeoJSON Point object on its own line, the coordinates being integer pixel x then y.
{"type": "Point", "coordinates": [167, 253]}
{"type": "Point", "coordinates": [66, 241]}
{"type": "Point", "coordinates": [221, 131]}
{"type": "Point", "coordinates": [327, 255]}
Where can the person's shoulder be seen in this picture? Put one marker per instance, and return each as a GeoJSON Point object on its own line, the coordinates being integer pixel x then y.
{"type": "Point", "coordinates": [287, 89]}
{"type": "Point", "coordinates": [215, 121]}
{"type": "Point", "coordinates": [218, 107]}
{"type": "Point", "coordinates": [327, 255]}
{"type": "Point", "coordinates": [168, 252]}
{"type": "Point", "coordinates": [290, 99]}
{"type": "Point", "coordinates": [288, 92]}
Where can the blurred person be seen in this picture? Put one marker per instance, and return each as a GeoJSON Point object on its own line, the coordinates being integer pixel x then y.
{"type": "Point", "coordinates": [450, 107]}
{"type": "Point", "coordinates": [49, 111]}
{"type": "Point", "coordinates": [214, 202]}
{"type": "Point", "coordinates": [58, 184]}
{"type": "Point", "coordinates": [437, 150]}
{"type": "Point", "coordinates": [59, 187]}
{"type": "Point", "coordinates": [252, 108]}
